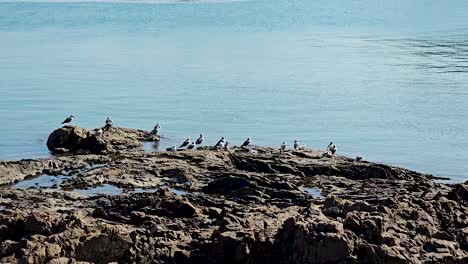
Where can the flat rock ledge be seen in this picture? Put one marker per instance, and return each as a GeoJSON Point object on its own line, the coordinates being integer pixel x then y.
{"type": "Point", "coordinates": [209, 206]}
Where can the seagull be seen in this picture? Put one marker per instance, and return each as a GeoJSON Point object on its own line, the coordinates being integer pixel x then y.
{"type": "Point", "coordinates": [186, 143]}
{"type": "Point", "coordinates": [173, 148]}
{"type": "Point", "coordinates": [246, 142]}
{"type": "Point", "coordinates": [191, 145]}
{"type": "Point", "coordinates": [68, 119]}
{"type": "Point", "coordinates": [283, 146]}
{"type": "Point", "coordinates": [98, 132]}
{"type": "Point", "coordinates": [226, 146]}
{"type": "Point", "coordinates": [332, 148]}
{"type": "Point", "coordinates": [358, 158]}
{"type": "Point", "coordinates": [200, 140]}
{"type": "Point", "coordinates": [109, 123]}
{"type": "Point", "coordinates": [220, 143]}
{"type": "Point", "coordinates": [156, 128]}
{"type": "Point", "coordinates": [296, 145]}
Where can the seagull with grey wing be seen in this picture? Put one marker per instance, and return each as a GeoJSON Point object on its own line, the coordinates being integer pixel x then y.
{"type": "Point", "coordinates": [296, 145]}
{"type": "Point", "coordinates": [156, 129]}
{"type": "Point", "coordinates": [109, 123]}
{"type": "Point", "coordinates": [331, 148]}
{"type": "Point", "coordinates": [185, 143]}
{"type": "Point", "coordinates": [221, 143]}
{"type": "Point", "coordinates": [246, 142]}
{"type": "Point", "coordinates": [199, 140]}
{"type": "Point", "coordinates": [283, 146]}
{"type": "Point", "coordinates": [173, 148]}
{"type": "Point", "coordinates": [191, 145]}
{"type": "Point", "coordinates": [68, 119]}
{"type": "Point", "coordinates": [98, 132]}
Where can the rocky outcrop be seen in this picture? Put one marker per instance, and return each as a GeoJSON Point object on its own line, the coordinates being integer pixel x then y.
{"type": "Point", "coordinates": [210, 206]}
{"type": "Point", "coordinates": [82, 141]}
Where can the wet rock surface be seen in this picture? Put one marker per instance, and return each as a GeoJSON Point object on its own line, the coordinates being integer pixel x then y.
{"type": "Point", "coordinates": [238, 206]}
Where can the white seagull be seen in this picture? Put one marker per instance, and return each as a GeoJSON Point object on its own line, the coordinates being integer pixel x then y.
{"type": "Point", "coordinates": [227, 145]}
{"type": "Point", "coordinates": [173, 148]}
{"type": "Point", "coordinates": [246, 142]}
{"type": "Point", "coordinates": [296, 145]}
{"type": "Point", "coordinates": [331, 148]}
{"type": "Point", "coordinates": [109, 123]}
{"type": "Point", "coordinates": [283, 146]}
{"type": "Point", "coordinates": [220, 143]}
{"type": "Point", "coordinates": [98, 132]}
{"type": "Point", "coordinates": [199, 140]}
{"type": "Point", "coordinates": [186, 143]}
{"type": "Point", "coordinates": [191, 145]}
{"type": "Point", "coordinates": [68, 119]}
{"type": "Point", "coordinates": [156, 129]}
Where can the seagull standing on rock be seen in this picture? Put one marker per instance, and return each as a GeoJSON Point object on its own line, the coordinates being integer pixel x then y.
{"type": "Point", "coordinates": [296, 145]}
{"type": "Point", "coordinates": [68, 119]}
{"type": "Point", "coordinates": [331, 148]}
{"type": "Point", "coordinates": [186, 143]}
{"type": "Point", "coordinates": [227, 145]}
{"type": "Point", "coordinates": [358, 158]}
{"type": "Point", "coordinates": [283, 146]}
{"type": "Point", "coordinates": [220, 143]}
{"type": "Point", "coordinates": [199, 140]}
{"type": "Point", "coordinates": [109, 123]}
{"type": "Point", "coordinates": [156, 129]}
{"type": "Point", "coordinates": [98, 132]}
{"type": "Point", "coordinates": [173, 148]}
{"type": "Point", "coordinates": [191, 145]}
{"type": "Point", "coordinates": [246, 142]}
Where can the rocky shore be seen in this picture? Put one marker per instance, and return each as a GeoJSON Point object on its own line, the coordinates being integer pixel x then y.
{"type": "Point", "coordinates": [107, 200]}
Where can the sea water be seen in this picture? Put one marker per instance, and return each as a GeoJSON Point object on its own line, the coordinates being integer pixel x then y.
{"type": "Point", "coordinates": [383, 79]}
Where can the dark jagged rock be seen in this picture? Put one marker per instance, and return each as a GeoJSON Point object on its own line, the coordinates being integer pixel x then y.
{"type": "Point", "coordinates": [213, 206]}
{"type": "Point", "coordinates": [80, 141]}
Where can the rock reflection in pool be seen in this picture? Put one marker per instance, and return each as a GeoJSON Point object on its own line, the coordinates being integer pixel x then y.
{"type": "Point", "coordinates": [314, 192]}
{"type": "Point", "coordinates": [43, 181]}
{"type": "Point", "coordinates": [151, 146]}
{"type": "Point", "coordinates": [105, 189]}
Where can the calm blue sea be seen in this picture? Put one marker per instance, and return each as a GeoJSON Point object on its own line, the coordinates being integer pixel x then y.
{"type": "Point", "coordinates": [383, 79]}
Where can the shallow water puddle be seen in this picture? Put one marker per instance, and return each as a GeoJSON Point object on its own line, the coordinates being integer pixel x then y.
{"type": "Point", "coordinates": [314, 192]}
{"type": "Point", "coordinates": [43, 181]}
{"type": "Point", "coordinates": [144, 190]}
{"type": "Point", "coordinates": [106, 189]}
{"type": "Point", "coordinates": [49, 182]}
{"type": "Point", "coordinates": [179, 192]}
{"type": "Point", "coordinates": [151, 146]}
